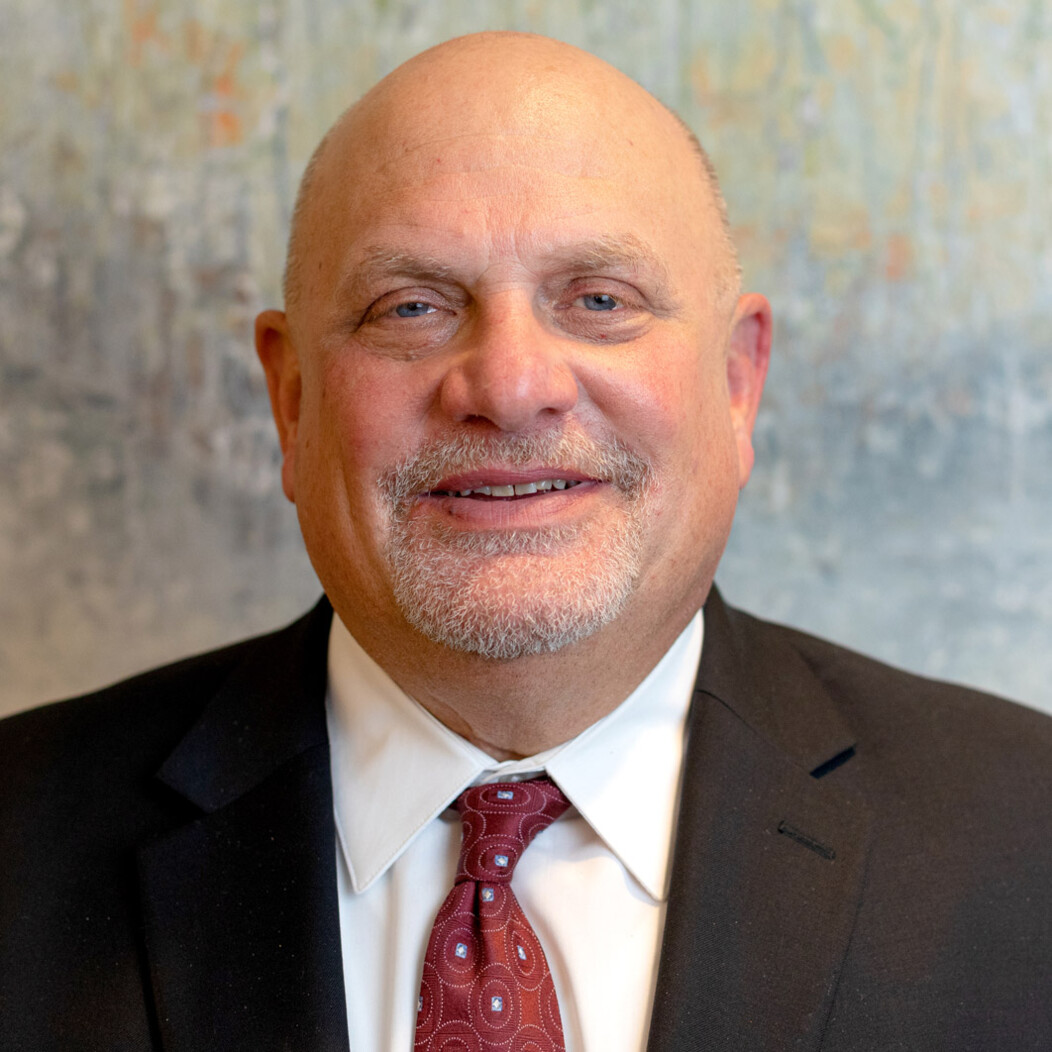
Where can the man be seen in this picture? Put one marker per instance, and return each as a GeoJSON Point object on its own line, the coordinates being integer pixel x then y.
{"type": "Point", "coordinates": [515, 384]}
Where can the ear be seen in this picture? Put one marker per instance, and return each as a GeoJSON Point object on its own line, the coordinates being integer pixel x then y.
{"type": "Point", "coordinates": [281, 364]}
{"type": "Point", "coordinates": [748, 353]}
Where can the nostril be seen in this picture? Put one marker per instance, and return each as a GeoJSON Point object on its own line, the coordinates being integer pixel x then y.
{"type": "Point", "coordinates": [508, 391]}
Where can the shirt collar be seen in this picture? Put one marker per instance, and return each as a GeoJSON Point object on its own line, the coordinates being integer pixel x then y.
{"type": "Point", "coordinates": [395, 767]}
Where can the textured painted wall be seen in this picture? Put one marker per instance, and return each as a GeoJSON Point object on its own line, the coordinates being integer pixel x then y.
{"type": "Point", "coordinates": [887, 165]}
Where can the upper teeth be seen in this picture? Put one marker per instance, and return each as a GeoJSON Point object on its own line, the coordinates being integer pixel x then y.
{"type": "Point", "coordinates": [520, 489]}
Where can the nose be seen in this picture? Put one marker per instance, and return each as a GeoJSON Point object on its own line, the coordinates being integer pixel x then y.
{"type": "Point", "coordinates": [511, 372]}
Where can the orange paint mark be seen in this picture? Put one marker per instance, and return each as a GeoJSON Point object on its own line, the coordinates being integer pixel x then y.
{"type": "Point", "coordinates": [225, 80]}
{"type": "Point", "coordinates": [194, 40]}
{"type": "Point", "coordinates": [67, 81]}
{"type": "Point", "coordinates": [224, 129]}
{"type": "Point", "coordinates": [142, 28]}
{"type": "Point", "coordinates": [899, 261]}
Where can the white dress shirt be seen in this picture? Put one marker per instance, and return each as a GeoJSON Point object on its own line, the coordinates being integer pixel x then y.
{"type": "Point", "coordinates": [593, 885]}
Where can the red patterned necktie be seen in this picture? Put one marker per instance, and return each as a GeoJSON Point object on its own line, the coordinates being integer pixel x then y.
{"type": "Point", "coordinates": [486, 984]}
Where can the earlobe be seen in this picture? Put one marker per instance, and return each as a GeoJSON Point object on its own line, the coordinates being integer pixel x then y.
{"type": "Point", "coordinates": [748, 354]}
{"type": "Point", "coordinates": [280, 361]}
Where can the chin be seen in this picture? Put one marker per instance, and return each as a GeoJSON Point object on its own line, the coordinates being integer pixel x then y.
{"type": "Point", "coordinates": [502, 630]}
{"type": "Point", "coordinates": [514, 596]}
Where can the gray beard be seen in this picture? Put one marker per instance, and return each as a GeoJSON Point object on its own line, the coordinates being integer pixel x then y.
{"type": "Point", "coordinates": [443, 578]}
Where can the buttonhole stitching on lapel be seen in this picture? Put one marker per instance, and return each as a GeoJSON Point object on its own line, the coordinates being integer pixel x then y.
{"type": "Point", "coordinates": [831, 765]}
{"type": "Point", "coordinates": [809, 842]}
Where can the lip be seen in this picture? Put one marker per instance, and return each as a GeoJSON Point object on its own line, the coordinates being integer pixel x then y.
{"type": "Point", "coordinates": [534, 512]}
{"type": "Point", "coordinates": [505, 477]}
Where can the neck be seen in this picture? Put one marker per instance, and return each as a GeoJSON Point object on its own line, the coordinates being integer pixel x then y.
{"type": "Point", "coordinates": [523, 706]}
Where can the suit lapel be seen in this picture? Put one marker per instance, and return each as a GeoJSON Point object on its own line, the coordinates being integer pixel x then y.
{"type": "Point", "coordinates": [240, 910]}
{"type": "Point", "coordinates": [770, 851]}
{"type": "Point", "coordinates": [239, 905]}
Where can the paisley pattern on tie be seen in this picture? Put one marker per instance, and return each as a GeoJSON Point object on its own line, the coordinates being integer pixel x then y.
{"type": "Point", "coordinates": [486, 984]}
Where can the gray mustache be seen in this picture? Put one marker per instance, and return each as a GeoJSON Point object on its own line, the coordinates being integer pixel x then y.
{"type": "Point", "coordinates": [607, 460]}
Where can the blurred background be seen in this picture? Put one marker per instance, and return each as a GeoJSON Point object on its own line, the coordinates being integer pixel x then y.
{"type": "Point", "coordinates": [887, 165]}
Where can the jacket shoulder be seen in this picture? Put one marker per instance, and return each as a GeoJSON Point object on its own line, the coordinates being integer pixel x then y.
{"type": "Point", "coordinates": [959, 781]}
{"type": "Point", "coordinates": [951, 940]}
{"type": "Point", "coordinates": [885, 704]}
{"type": "Point", "coordinates": [131, 724]}
{"type": "Point", "coordinates": [82, 794]}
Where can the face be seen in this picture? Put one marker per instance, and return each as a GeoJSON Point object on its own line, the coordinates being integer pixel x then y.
{"type": "Point", "coordinates": [513, 407]}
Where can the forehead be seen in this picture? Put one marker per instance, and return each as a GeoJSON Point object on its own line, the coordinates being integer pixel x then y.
{"type": "Point", "coordinates": [529, 193]}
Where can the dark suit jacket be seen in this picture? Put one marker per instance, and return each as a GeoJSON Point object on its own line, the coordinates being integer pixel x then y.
{"type": "Point", "coordinates": [863, 859]}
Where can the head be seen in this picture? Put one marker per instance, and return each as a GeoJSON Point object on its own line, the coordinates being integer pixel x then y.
{"type": "Point", "coordinates": [515, 382]}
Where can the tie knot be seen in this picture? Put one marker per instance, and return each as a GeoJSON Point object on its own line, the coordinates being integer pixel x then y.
{"type": "Point", "coordinates": [499, 822]}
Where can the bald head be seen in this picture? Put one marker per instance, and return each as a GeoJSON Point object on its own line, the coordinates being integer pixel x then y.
{"type": "Point", "coordinates": [526, 88]}
{"type": "Point", "coordinates": [510, 267]}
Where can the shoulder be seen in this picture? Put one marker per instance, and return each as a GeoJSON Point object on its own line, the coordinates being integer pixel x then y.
{"type": "Point", "coordinates": [959, 782]}
{"type": "Point", "coordinates": [84, 790]}
{"type": "Point", "coordinates": [144, 702]}
{"type": "Point", "coordinates": [890, 712]}
{"type": "Point", "coordinates": [125, 730]}
{"type": "Point", "coordinates": [950, 944]}
{"type": "Point", "coordinates": [916, 720]}
{"type": "Point", "coordinates": [938, 763]}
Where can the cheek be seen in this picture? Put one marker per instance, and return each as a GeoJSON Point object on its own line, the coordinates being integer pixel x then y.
{"type": "Point", "coordinates": [369, 410]}
{"type": "Point", "coordinates": [680, 417]}
{"type": "Point", "coordinates": [676, 411]}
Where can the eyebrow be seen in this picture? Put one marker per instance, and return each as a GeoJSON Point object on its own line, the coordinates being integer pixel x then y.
{"type": "Point", "coordinates": [602, 253]}
{"type": "Point", "coordinates": [623, 252]}
{"type": "Point", "coordinates": [382, 262]}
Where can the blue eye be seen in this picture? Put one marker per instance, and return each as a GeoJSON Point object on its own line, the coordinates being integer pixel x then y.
{"type": "Point", "coordinates": [413, 309]}
{"type": "Point", "coordinates": [599, 301]}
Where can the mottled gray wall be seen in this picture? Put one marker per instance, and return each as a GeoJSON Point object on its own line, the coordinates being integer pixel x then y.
{"type": "Point", "coordinates": [887, 165]}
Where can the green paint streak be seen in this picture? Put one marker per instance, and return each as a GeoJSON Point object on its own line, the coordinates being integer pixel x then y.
{"type": "Point", "coordinates": [874, 12]}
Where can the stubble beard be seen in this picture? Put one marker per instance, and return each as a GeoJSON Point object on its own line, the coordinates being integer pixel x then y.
{"type": "Point", "coordinates": [509, 594]}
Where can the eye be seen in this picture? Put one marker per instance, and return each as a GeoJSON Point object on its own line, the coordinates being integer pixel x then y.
{"type": "Point", "coordinates": [599, 301]}
{"type": "Point", "coordinates": [413, 309]}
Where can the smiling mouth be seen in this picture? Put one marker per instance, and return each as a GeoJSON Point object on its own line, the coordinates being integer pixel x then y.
{"type": "Point", "coordinates": [507, 491]}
